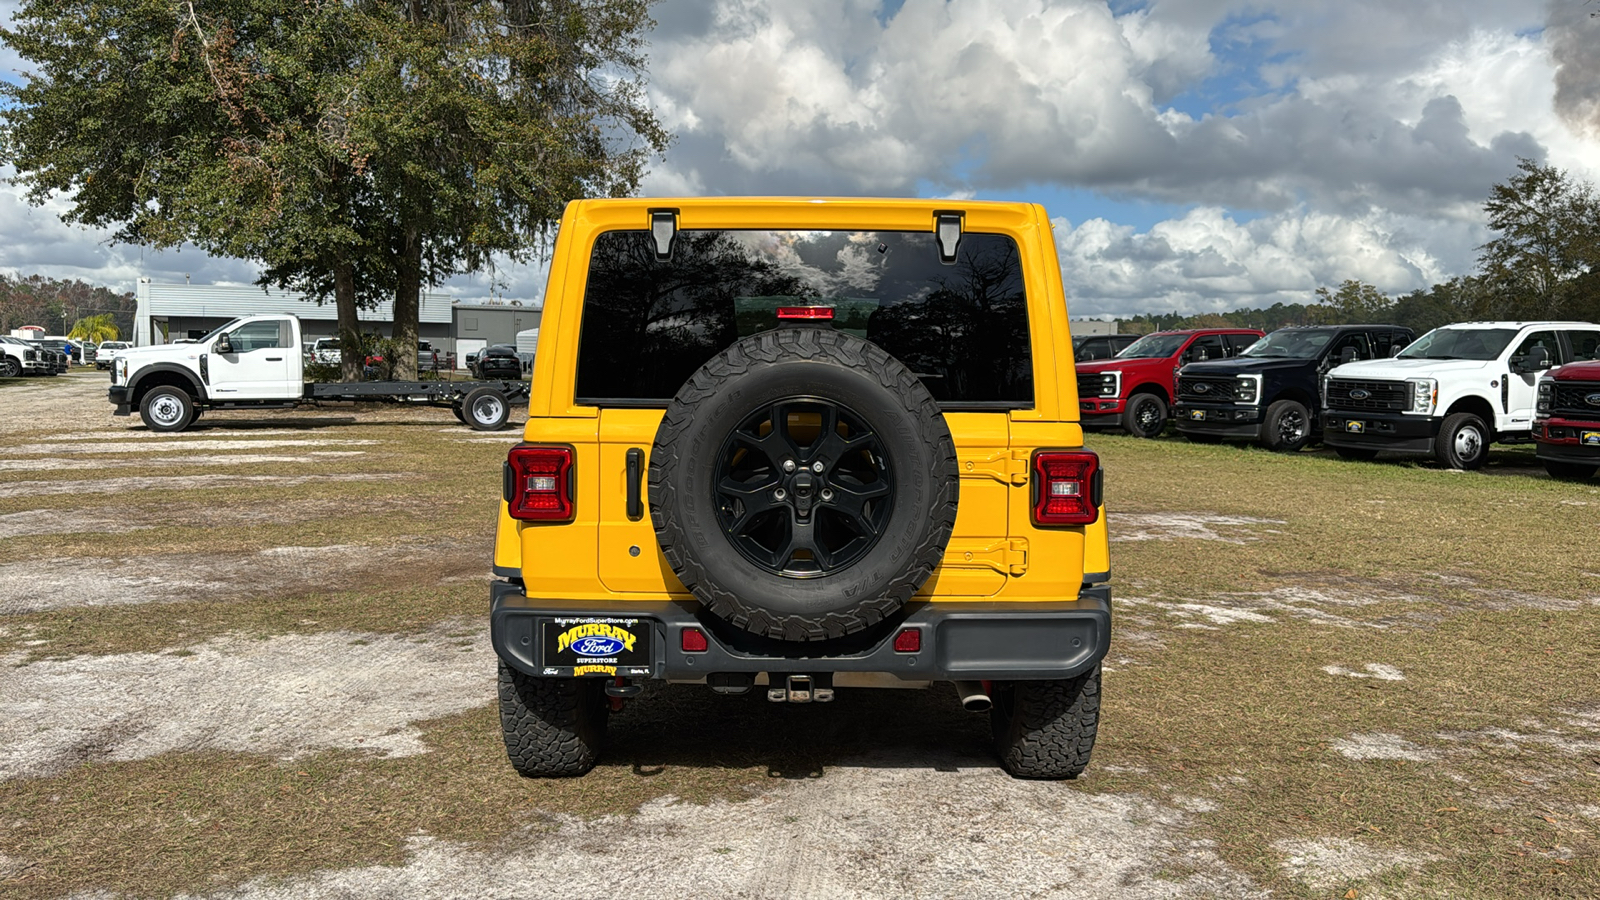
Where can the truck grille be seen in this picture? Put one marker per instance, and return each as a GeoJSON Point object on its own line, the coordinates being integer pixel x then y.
{"type": "Point", "coordinates": [1089, 385]}
{"type": "Point", "coordinates": [1389, 396]}
{"type": "Point", "coordinates": [1204, 390]}
{"type": "Point", "coordinates": [1571, 401]}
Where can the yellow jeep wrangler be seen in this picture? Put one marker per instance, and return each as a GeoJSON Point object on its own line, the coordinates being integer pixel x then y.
{"type": "Point", "coordinates": [802, 446]}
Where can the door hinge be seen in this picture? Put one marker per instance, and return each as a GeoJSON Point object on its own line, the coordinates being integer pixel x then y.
{"type": "Point", "coordinates": [1006, 466]}
{"type": "Point", "coordinates": [1007, 556]}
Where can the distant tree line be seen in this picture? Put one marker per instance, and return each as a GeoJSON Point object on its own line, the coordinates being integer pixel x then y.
{"type": "Point", "coordinates": [56, 304]}
{"type": "Point", "coordinates": [1542, 263]}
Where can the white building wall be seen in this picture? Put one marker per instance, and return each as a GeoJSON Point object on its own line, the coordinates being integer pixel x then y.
{"type": "Point", "coordinates": [162, 301]}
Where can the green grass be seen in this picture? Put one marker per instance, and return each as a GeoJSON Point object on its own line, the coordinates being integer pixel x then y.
{"type": "Point", "coordinates": [1479, 587]}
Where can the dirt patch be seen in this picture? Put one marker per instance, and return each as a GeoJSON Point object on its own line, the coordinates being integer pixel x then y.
{"type": "Point", "coordinates": [858, 832]}
{"type": "Point", "coordinates": [1379, 745]}
{"type": "Point", "coordinates": [1266, 607]}
{"type": "Point", "coordinates": [284, 696]}
{"type": "Point", "coordinates": [183, 446]}
{"type": "Point", "coordinates": [1328, 863]}
{"type": "Point", "coordinates": [35, 586]}
{"type": "Point", "coordinates": [1379, 671]}
{"type": "Point", "coordinates": [1186, 526]}
{"type": "Point", "coordinates": [168, 462]}
{"type": "Point", "coordinates": [163, 483]}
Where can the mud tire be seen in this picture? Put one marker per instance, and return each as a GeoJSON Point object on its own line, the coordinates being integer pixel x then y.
{"type": "Point", "coordinates": [553, 727]}
{"type": "Point", "coordinates": [1046, 729]}
{"type": "Point", "coordinates": [833, 367]}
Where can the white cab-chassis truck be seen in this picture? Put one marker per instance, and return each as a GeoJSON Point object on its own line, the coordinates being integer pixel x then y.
{"type": "Point", "coordinates": [255, 362]}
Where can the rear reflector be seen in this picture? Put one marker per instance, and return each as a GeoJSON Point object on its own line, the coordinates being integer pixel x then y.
{"type": "Point", "coordinates": [909, 640]}
{"type": "Point", "coordinates": [694, 641]}
{"type": "Point", "coordinates": [539, 483]}
{"type": "Point", "coordinates": [1066, 487]}
{"type": "Point", "coordinates": [805, 312]}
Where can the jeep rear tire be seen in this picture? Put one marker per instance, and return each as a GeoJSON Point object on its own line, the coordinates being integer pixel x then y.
{"type": "Point", "coordinates": [553, 727]}
{"type": "Point", "coordinates": [1046, 729]}
{"type": "Point", "coordinates": [1287, 427]}
{"type": "Point", "coordinates": [1463, 442]}
{"type": "Point", "coordinates": [167, 409]}
{"type": "Point", "coordinates": [1145, 416]}
{"type": "Point", "coordinates": [803, 484]}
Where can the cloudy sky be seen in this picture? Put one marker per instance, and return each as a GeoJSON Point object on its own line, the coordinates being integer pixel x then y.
{"type": "Point", "coordinates": [1196, 155]}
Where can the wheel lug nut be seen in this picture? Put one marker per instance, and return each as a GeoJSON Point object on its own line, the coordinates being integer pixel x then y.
{"type": "Point", "coordinates": [788, 465]}
{"type": "Point", "coordinates": [817, 467]}
{"type": "Point", "coordinates": [779, 494]}
{"type": "Point", "coordinates": [827, 494]}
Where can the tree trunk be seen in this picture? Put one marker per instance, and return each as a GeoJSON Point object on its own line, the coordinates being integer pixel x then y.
{"type": "Point", "coordinates": [351, 358]}
{"type": "Point", "coordinates": [407, 303]}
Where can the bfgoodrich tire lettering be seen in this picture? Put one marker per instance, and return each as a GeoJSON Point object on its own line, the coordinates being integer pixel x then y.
{"type": "Point", "coordinates": [1046, 729]}
{"type": "Point", "coordinates": [553, 727]}
{"type": "Point", "coordinates": [768, 369]}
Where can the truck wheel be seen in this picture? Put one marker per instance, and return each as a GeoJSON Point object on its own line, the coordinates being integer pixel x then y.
{"type": "Point", "coordinates": [553, 727]}
{"type": "Point", "coordinates": [10, 368]}
{"type": "Point", "coordinates": [803, 484]}
{"type": "Point", "coordinates": [1046, 729]}
{"type": "Point", "coordinates": [1569, 471]}
{"type": "Point", "coordinates": [1361, 453]}
{"type": "Point", "coordinates": [1287, 427]}
{"type": "Point", "coordinates": [1145, 416]}
{"type": "Point", "coordinates": [1463, 442]}
{"type": "Point", "coordinates": [167, 409]}
{"type": "Point", "coordinates": [486, 409]}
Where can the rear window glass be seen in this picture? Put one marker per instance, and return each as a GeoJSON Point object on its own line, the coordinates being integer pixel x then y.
{"type": "Point", "coordinates": [649, 324]}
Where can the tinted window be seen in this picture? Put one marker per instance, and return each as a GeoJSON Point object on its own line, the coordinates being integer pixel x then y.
{"type": "Point", "coordinates": [1204, 348]}
{"type": "Point", "coordinates": [1238, 343]}
{"type": "Point", "coordinates": [1460, 343]}
{"type": "Point", "coordinates": [649, 324]}
{"type": "Point", "coordinates": [1389, 342]}
{"type": "Point", "coordinates": [1585, 344]}
{"type": "Point", "coordinates": [1356, 343]}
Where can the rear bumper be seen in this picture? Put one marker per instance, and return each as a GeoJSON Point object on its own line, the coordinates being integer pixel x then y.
{"type": "Point", "coordinates": [959, 641]}
{"type": "Point", "coordinates": [1380, 431]}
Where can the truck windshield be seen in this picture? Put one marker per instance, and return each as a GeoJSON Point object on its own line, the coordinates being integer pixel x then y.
{"type": "Point", "coordinates": [1285, 344]}
{"type": "Point", "coordinates": [1153, 346]}
{"type": "Point", "coordinates": [1460, 343]}
{"type": "Point", "coordinates": [220, 329]}
{"type": "Point", "coordinates": [648, 323]}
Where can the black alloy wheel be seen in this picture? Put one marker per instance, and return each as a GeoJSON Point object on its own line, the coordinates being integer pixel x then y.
{"type": "Point", "coordinates": [803, 487]}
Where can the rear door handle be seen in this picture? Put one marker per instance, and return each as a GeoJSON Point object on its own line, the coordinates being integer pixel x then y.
{"type": "Point", "coordinates": [635, 470]}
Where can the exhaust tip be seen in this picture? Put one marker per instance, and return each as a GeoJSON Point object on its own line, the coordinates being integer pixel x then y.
{"type": "Point", "coordinates": [977, 703]}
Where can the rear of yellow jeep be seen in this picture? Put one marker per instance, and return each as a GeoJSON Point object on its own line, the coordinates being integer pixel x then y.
{"type": "Point", "coordinates": [800, 446]}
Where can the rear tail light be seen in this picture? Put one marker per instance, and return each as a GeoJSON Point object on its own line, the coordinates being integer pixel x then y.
{"type": "Point", "coordinates": [539, 484]}
{"type": "Point", "coordinates": [805, 312]}
{"type": "Point", "coordinates": [1066, 487]}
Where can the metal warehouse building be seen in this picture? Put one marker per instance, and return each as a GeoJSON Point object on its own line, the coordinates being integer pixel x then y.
{"type": "Point", "coordinates": [168, 312]}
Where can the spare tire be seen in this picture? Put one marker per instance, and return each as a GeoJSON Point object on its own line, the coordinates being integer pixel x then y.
{"type": "Point", "coordinates": [803, 484]}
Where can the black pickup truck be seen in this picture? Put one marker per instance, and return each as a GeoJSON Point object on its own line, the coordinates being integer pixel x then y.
{"type": "Point", "coordinates": [1271, 392]}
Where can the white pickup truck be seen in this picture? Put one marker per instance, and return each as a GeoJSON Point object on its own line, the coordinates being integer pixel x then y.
{"type": "Point", "coordinates": [255, 362]}
{"type": "Point", "coordinates": [1452, 392]}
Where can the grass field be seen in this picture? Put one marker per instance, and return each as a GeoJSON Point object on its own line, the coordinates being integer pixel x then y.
{"type": "Point", "coordinates": [252, 658]}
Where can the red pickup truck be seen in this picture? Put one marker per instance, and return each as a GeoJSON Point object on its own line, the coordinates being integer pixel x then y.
{"type": "Point", "coordinates": [1134, 389]}
{"type": "Point", "coordinates": [1566, 421]}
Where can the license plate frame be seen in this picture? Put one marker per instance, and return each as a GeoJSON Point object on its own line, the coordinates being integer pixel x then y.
{"type": "Point", "coordinates": [1198, 415]}
{"type": "Point", "coordinates": [1355, 426]}
{"type": "Point", "coordinates": [596, 646]}
{"type": "Point", "coordinates": [1589, 438]}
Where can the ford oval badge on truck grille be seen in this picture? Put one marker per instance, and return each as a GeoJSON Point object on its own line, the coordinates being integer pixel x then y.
{"type": "Point", "coordinates": [1359, 394]}
{"type": "Point", "coordinates": [1592, 399]}
{"type": "Point", "coordinates": [1202, 388]}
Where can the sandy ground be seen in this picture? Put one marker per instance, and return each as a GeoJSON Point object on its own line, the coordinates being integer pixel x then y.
{"type": "Point", "coordinates": [283, 696]}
